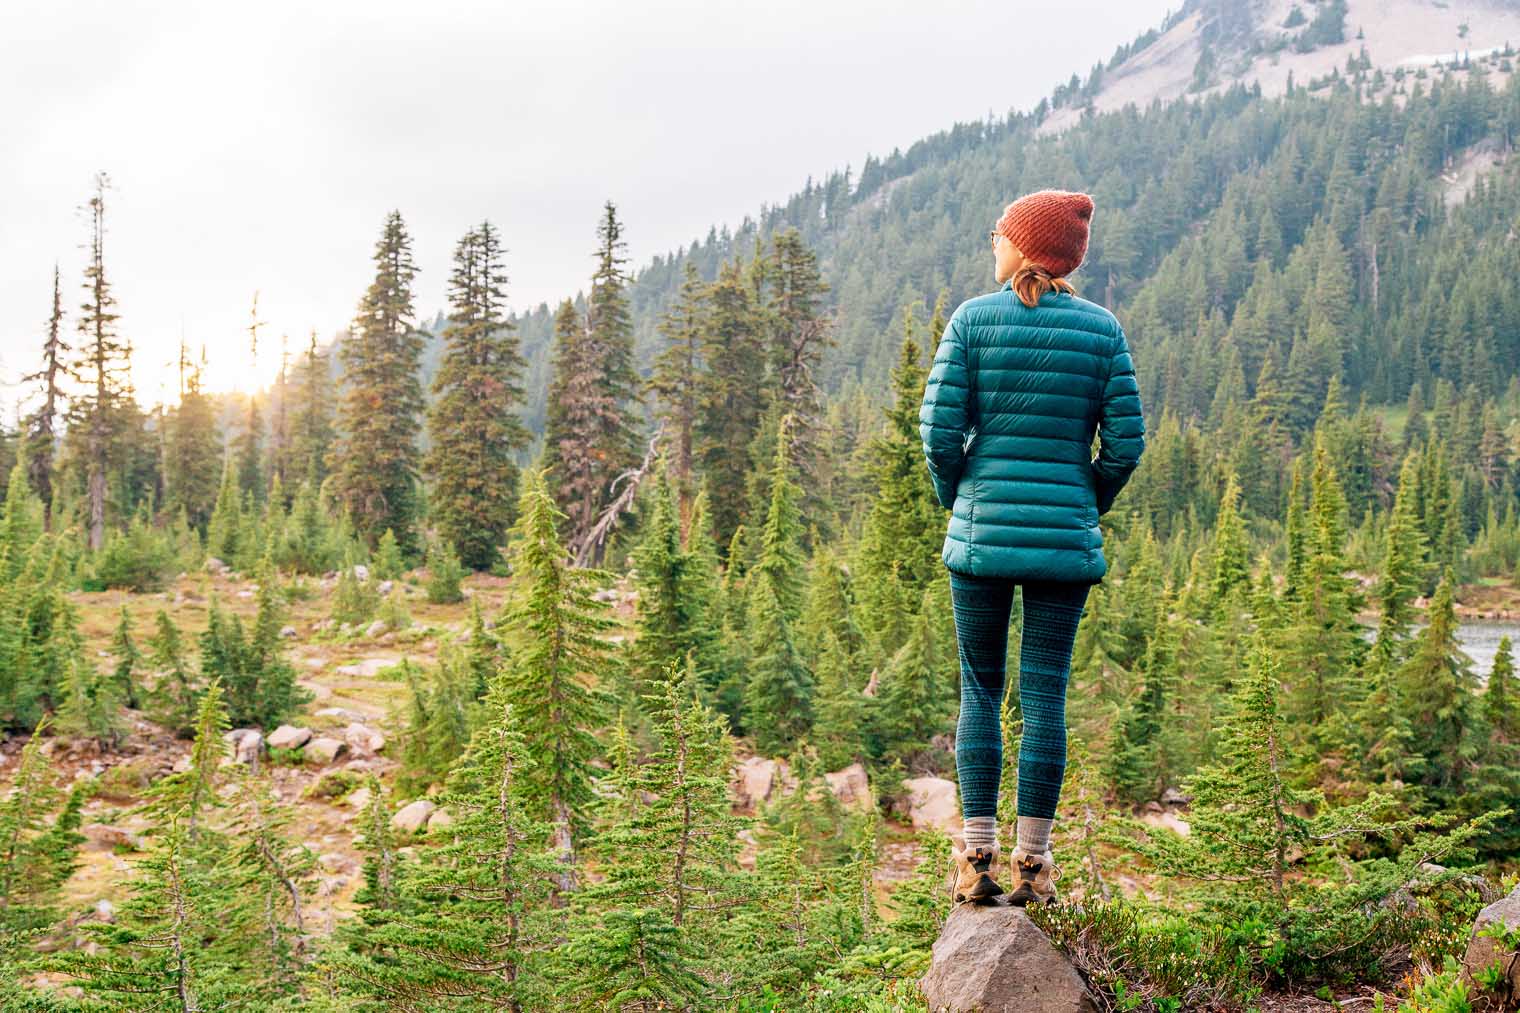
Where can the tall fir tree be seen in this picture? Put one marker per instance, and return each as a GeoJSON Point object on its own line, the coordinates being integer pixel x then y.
{"type": "Point", "coordinates": [474, 424]}
{"type": "Point", "coordinates": [192, 450]}
{"type": "Point", "coordinates": [42, 423]}
{"type": "Point", "coordinates": [592, 433]}
{"type": "Point", "coordinates": [100, 368]}
{"type": "Point", "coordinates": [375, 459]}
{"type": "Point", "coordinates": [677, 377]}
{"type": "Point", "coordinates": [311, 426]}
{"type": "Point", "coordinates": [557, 664]}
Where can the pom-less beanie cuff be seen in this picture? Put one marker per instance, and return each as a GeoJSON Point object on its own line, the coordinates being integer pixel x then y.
{"type": "Point", "coordinates": [1050, 227]}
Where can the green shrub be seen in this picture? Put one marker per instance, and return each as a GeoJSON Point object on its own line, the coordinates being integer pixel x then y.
{"type": "Point", "coordinates": [444, 575]}
{"type": "Point", "coordinates": [139, 559]}
{"type": "Point", "coordinates": [388, 564]}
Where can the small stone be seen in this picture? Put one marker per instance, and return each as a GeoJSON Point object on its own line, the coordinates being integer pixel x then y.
{"type": "Point", "coordinates": [289, 737]}
{"type": "Point", "coordinates": [323, 751]}
{"type": "Point", "coordinates": [287, 632]}
{"type": "Point", "coordinates": [440, 820]}
{"type": "Point", "coordinates": [111, 837]}
{"type": "Point", "coordinates": [1174, 797]}
{"type": "Point", "coordinates": [248, 746]}
{"type": "Point", "coordinates": [384, 587]}
{"type": "Point", "coordinates": [359, 798]}
{"type": "Point", "coordinates": [361, 571]}
{"type": "Point", "coordinates": [105, 911]}
{"type": "Point", "coordinates": [375, 628]}
{"type": "Point", "coordinates": [214, 565]}
{"type": "Point", "coordinates": [413, 817]}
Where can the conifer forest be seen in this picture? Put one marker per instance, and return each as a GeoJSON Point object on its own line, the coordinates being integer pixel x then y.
{"type": "Point", "coordinates": [600, 656]}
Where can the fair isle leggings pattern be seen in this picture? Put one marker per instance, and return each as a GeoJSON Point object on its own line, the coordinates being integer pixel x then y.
{"type": "Point", "coordinates": [1052, 610]}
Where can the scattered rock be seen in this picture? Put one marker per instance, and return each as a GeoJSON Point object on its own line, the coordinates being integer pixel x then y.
{"type": "Point", "coordinates": [1174, 797]}
{"type": "Point", "coordinates": [334, 861]}
{"type": "Point", "coordinates": [1164, 818]}
{"type": "Point", "coordinates": [606, 594]}
{"type": "Point", "coordinates": [755, 780]}
{"type": "Point", "coordinates": [287, 631]}
{"type": "Point", "coordinates": [105, 911]}
{"type": "Point", "coordinates": [216, 566]}
{"type": "Point", "coordinates": [363, 739]}
{"type": "Point", "coordinates": [247, 745]}
{"type": "Point", "coordinates": [932, 802]}
{"type": "Point", "coordinates": [339, 713]}
{"type": "Point", "coordinates": [289, 737]}
{"type": "Point", "coordinates": [851, 786]}
{"type": "Point", "coordinates": [375, 628]}
{"type": "Point", "coordinates": [245, 594]}
{"type": "Point", "coordinates": [359, 798]}
{"type": "Point", "coordinates": [323, 625]}
{"type": "Point", "coordinates": [439, 821]}
{"type": "Point", "coordinates": [361, 571]}
{"type": "Point", "coordinates": [111, 837]}
{"type": "Point", "coordinates": [1483, 951]}
{"type": "Point", "coordinates": [991, 958]}
{"type": "Point", "coordinates": [413, 817]}
{"type": "Point", "coordinates": [385, 587]}
{"type": "Point", "coordinates": [323, 751]}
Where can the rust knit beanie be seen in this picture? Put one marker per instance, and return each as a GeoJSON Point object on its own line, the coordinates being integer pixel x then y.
{"type": "Point", "coordinates": [1050, 228]}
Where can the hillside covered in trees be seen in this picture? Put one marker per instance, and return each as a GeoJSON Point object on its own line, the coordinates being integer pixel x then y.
{"type": "Point", "coordinates": [446, 687]}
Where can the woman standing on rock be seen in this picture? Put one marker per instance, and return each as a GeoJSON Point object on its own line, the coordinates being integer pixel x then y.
{"type": "Point", "coordinates": [1021, 381]}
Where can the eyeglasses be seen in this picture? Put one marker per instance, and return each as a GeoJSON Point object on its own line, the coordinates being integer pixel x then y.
{"type": "Point", "coordinates": [994, 235]}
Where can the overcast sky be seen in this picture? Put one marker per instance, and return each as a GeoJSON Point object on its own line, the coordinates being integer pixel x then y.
{"type": "Point", "coordinates": [258, 146]}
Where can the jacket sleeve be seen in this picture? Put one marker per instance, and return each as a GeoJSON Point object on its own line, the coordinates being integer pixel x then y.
{"type": "Point", "coordinates": [1121, 427]}
{"type": "Point", "coordinates": [943, 418]}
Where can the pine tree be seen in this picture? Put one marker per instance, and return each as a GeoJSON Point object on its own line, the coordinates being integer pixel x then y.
{"type": "Point", "coordinates": [375, 458]}
{"type": "Point", "coordinates": [39, 845]}
{"type": "Point", "coordinates": [556, 665]}
{"type": "Point", "coordinates": [472, 932]}
{"type": "Point", "coordinates": [1231, 551]}
{"type": "Point", "coordinates": [669, 852]}
{"type": "Point", "coordinates": [800, 334]}
{"type": "Point", "coordinates": [673, 615]}
{"type": "Point", "coordinates": [100, 369]}
{"type": "Point", "coordinates": [731, 397]}
{"type": "Point", "coordinates": [278, 875]}
{"type": "Point", "coordinates": [904, 526]}
{"type": "Point", "coordinates": [175, 697]}
{"type": "Point", "coordinates": [779, 690]}
{"type": "Point", "coordinates": [1501, 699]}
{"type": "Point", "coordinates": [915, 694]}
{"type": "Point", "coordinates": [445, 571]}
{"type": "Point", "coordinates": [225, 537]}
{"type": "Point", "coordinates": [591, 432]}
{"type": "Point", "coordinates": [387, 564]}
{"type": "Point", "coordinates": [377, 840]}
{"type": "Point", "coordinates": [250, 442]}
{"type": "Point", "coordinates": [193, 456]}
{"type": "Point", "coordinates": [676, 379]}
{"type": "Point", "coordinates": [474, 424]}
{"type": "Point", "coordinates": [128, 659]}
{"type": "Point", "coordinates": [311, 432]}
{"type": "Point", "coordinates": [21, 522]}
{"type": "Point", "coordinates": [1437, 690]}
{"type": "Point", "coordinates": [42, 424]}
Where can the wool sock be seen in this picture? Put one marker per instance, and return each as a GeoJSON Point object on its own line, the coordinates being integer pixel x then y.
{"type": "Point", "coordinates": [1034, 834]}
{"type": "Point", "coordinates": [981, 832]}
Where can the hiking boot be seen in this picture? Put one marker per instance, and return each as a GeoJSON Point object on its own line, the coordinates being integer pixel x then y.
{"type": "Point", "coordinates": [1036, 874]}
{"type": "Point", "coordinates": [973, 875]}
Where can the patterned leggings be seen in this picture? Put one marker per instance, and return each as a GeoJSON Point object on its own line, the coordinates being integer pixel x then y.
{"type": "Point", "coordinates": [982, 607]}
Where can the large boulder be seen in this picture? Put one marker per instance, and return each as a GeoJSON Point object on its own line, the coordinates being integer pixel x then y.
{"type": "Point", "coordinates": [990, 958]}
{"type": "Point", "coordinates": [756, 780]}
{"type": "Point", "coordinates": [289, 737]}
{"type": "Point", "coordinates": [932, 803]}
{"type": "Point", "coordinates": [323, 751]}
{"type": "Point", "coordinates": [850, 786]}
{"type": "Point", "coordinates": [413, 817]}
{"type": "Point", "coordinates": [362, 739]}
{"type": "Point", "coordinates": [1483, 951]}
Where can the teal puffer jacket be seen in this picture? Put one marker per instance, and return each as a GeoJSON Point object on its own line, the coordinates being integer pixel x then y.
{"type": "Point", "coordinates": [1009, 412]}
